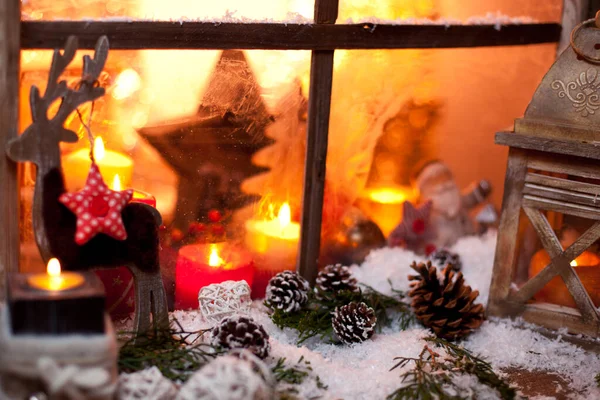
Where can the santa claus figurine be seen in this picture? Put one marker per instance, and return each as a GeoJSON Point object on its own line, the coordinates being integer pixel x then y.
{"type": "Point", "coordinates": [449, 217]}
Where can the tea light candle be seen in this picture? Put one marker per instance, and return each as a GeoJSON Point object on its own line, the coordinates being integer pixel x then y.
{"type": "Point", "coordinates": [55, 280]}
{"type": "Point", "coordinates": [56, 303]}
{"type": "Point", "coordinates": [138, 195]}
{"type": "Point", "coordinates": [111, 163]}
{"type": "Point", "coordinates": [199, 265]}
{"type": "Point", "coordinates": [274, 245]}
{"type": "Point", "coordinates": [383, 205]}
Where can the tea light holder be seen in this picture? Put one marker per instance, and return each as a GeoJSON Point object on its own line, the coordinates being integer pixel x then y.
{"type": "Point", "coordinates": [57, 341]}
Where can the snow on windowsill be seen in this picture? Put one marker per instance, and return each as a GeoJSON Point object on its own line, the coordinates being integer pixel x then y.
{"type": "Point", "coordinates": [497, 19]}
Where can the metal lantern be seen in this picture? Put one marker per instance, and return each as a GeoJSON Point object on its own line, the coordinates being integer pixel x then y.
{"type": "Point", "coordinates": [553, 176]}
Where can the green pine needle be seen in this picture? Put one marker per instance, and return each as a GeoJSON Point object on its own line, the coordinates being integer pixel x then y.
{"type": "Point", "coordinates": [315, 318]}
{"type": "Point", "coordinates": [432, 376]}
{"type": "Point", "coordinates": [293, 375]}
{"type": "Point", "coordinates": [171, 351]}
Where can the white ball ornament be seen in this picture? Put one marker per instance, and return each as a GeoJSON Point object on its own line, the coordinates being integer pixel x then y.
{"type": "Point", "coordinates": [224, 299]}
{"type": "Point", "coordinates": [149, 384]}
{"type": "Point", "coordinates": [228, 378]}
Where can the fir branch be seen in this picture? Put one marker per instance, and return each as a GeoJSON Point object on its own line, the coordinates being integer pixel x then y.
{"type": "Point", "coordinates": [315, 318]}
{"type": "Point", "coordinates": [432, 377]}
{"type": "Point", "coordinates": [171, 351]}
{"type": "Point", "coordinates": [294, 375]}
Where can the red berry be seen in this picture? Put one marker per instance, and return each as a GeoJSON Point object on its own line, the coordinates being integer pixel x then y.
{"type": "Point", "coordinates": [218, 229]}
{"type": "Point", "coordinates": [176, 235]}
{"type": "Point", "coordinates": [430, 248]}
{"type": "Point", "coordinates": [196, 228]}
{"type": "Point", "coordinates": [418, 226]}
{"type": "Point", "coordinates": [214, 215]}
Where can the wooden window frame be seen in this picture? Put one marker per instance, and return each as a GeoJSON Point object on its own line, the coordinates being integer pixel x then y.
{"type": "Point", "coordinates": [322, 37]}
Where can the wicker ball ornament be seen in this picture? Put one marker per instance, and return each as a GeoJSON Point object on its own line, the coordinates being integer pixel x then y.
{"type": "Point", "coordinates": [148, 384]}
{"type": "Point", "coordinates": [241, 332]}
{"type": "Point", "coordinates": [227, 378]}
{"type": "Point", "coordinates": [221, 300]}
{"type": "Point", "coordinates": [287, 291]}
{"type": "Point", "coordinates": [443, 302]}
{"type": "Point", "coordinates": [354, 322]}
{"type": "Point", "coordinates": [443, 257]}
{"type": "Point", "coordinates": [333, 279]}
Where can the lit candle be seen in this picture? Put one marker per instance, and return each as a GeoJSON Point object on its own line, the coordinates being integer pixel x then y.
{"type": "Point", "coordinates": [274, 244]}
{"type": "Point", "coordinates": [199, 265]}
{"type": "Point", "coordinates": [587, 268]}
{"type": "Point", "coordinates": [383, 205]}
{"type": "Point", "coordinates": [54, 279]}
{"type": "Point", "coordinates": [76, 166]}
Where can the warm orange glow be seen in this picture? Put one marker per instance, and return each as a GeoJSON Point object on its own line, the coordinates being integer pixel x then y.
{"type": "Point", "coordinates": [54, 280]}
{"type": "Point", "coordinates": [284, 216]}
{"type": "Point", "coordinates": [214, 260]}
{"type": "Point", "coordinates": [116, 183]}
{"type": "Point", "coordinates": [127, 83]}
{"type": "Point", "coordinates": [390, 195]}
{"type": "Point", "coordinates": [574, 263]}
{"type": "Point", "coordinates": [99, 150]}
{"type": "Point", "coordinates": [53, 267]}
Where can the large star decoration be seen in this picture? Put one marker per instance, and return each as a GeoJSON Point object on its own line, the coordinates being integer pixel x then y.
{"type": "Point", "coordinates": [98, 208]}
{"type": "Point", "coordinates": [415, 231]}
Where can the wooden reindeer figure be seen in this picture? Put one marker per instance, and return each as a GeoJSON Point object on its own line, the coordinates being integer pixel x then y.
{"type": "Point", "coordinates": [54, 224]}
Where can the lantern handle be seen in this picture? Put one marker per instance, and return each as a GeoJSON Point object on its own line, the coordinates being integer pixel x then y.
{"type": "Point", "coordinates": [575, 33]}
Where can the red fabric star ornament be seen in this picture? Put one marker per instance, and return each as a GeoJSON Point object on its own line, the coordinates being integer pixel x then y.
{"type": "Point", "coordinates": [98, 208]}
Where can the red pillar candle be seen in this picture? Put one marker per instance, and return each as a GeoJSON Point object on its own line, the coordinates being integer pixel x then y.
{"type": "Point", "coordinates": [143, 197]}
{"type": "Point", "coordinates": [200, 265]}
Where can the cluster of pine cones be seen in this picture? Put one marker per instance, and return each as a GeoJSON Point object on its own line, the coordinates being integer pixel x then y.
{"type": "Point", "coordinates": [352, 323]}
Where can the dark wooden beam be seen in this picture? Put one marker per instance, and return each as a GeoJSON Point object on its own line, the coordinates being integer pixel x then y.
{"type": "Point", "coordinates": [208, 35]}
{"type": "Point", "coordinates": [319, 105]}
{"type": "Point", "coordinates": [10, 14]}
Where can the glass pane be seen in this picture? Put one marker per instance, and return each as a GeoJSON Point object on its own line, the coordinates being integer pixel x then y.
{"type": "Point", "coordinates": [178, 10]}
{"type": "Point", "coordinates": [393, 111]}
{"type": "Point", "coordinates": [199, 132]}
{"type": "Point", "coordinates": [533, 258]}
{"type": "Point", "coordinates": [462, 10]}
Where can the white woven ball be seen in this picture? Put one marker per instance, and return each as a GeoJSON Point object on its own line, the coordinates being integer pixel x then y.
{"type": "Point", "coordinates": [226, 378]}
{"type": "Point", "coordinates": [224, 299]}
{"type": "Point", "coordinates": [149, 384]}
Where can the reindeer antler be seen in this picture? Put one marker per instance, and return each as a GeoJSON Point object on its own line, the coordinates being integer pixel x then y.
{"type": "Point", "coordinates": [87, 90]}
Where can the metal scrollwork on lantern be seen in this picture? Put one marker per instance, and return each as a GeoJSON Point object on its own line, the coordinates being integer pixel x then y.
{"type": "Point", "coordinates": [553, 182]}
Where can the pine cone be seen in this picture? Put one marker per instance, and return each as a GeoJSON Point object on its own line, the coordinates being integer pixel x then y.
{"type": "Point", "coordinates": [354, 322]}
{"type": "Point", "coordinates": [444, 305]}
{"type": "Point", "coordinates": [287, 291]}
{"type": "Point", "coordinates": [442, 257]}
{"type": "Point", "coordinates": [238, 331]}
{"type": "Point", "coordinates": [335, 278]}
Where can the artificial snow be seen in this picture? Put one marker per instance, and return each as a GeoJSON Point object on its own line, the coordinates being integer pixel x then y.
{"type": "Point", "coordinates": [497, 19]}
{"type": "Point", "coordinates": [362, 371]}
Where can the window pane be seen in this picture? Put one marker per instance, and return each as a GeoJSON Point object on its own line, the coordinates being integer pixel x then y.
{"type": "Point", "coordinates": [237, 10]}
{"type": "Point", "coordinates": [463, 10]}
{"type": "Point", "coordinates": [395, 110]}
{"type": "Point", "coordinates": [199, 131]}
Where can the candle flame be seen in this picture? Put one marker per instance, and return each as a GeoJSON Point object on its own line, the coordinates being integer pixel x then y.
{"type": "Point", "coordinates": [574, 263]}
{"type": "Point", "coordinates": [53, 267]}
{"type": "Point", "coordinates": [389, 196]}
{"type": "Point", "coordinates": [116, 184]}
{"type": "Point", "coordinates": [214, 260]}
{"type": "Point", "coordinates": [99, 151]}
{"type": "Point", "coordinates": [285, 215]}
